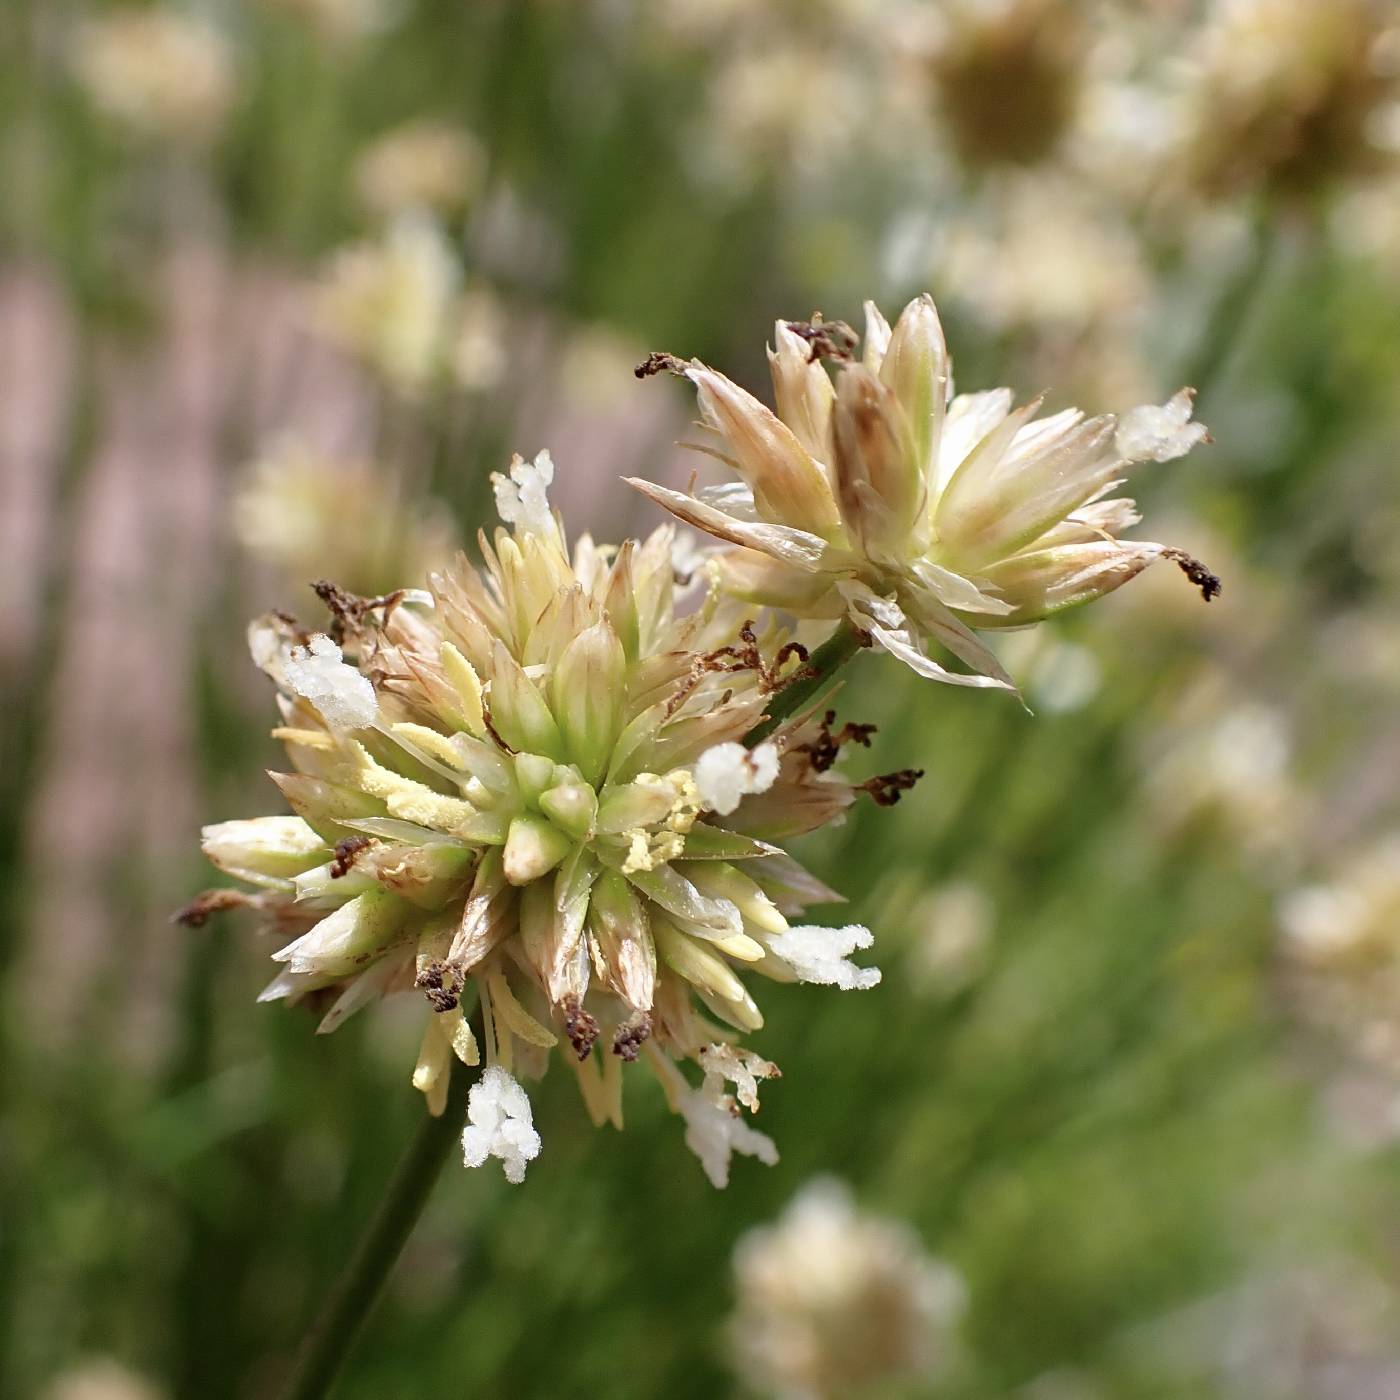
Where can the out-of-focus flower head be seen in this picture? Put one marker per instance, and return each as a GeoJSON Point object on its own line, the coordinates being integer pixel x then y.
{"type": "Point", "coordinates": [478, 354]}
{"type": "Point", "coordinates": [1047, 256]}
{"type": "Point", "coordinates": [763, 116]}
{"type": "Point", "coordinates": [313, 517]}
{"type": "Point", "coordinates": [1008, 76]}
{"type": "Point", "coordinates": [595, 368]}
{"type": "Point", "coordinates": [1226, 766]}
{"type": "Point", "coordinates": [797, 88]}
{"type": "Point", "coordinates": [99, 1378]}
{"type": "Point", "coordinates": [832, 1301]}
{"type": "Point", "coordinates": [1319, 1326]}
{"type": "Point", "coordinates": [421, 165]}
{"type": "Point", "coordinates": [1366, 224]}
{"type": "Point", "coordinates": [157, 74]}
{"type": "Point", "coordinates": [392, 302]}
{"type": "Point", "coordinates": [530, 778]}
{"type": "Point", "coordinates": [954, 924]}
{"type": "Point", "coordinates": [917, 513]}
{"type": "Point", "coordinates": [340, 21]}
{"type": "Point", "coordinates": [1290, 95]}
{"type": "Point", "coordinates": [1342, 943]}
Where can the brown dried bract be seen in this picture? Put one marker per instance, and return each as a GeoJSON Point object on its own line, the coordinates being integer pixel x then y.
{"type": "Point", "coordinates": [887, 788]}
{"type": "Point", "coordinates": [745, 657]}
{"type": "Point", "coordinates": [352, 614]}
{"type": "Point", "coordinates": [1207, 582]}
{"type": "Point", "coordinates": [823, 750]}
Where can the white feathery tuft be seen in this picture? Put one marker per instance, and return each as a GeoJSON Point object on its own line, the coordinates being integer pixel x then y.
{"type": "Point", "coordinates": [318, 673]}
{"type": "Point", "coordinates": [823, 955]}
{"type": "Point", "coordinates": [727, 773]}
{"type": "Point", "coordinates": [500, 1124]}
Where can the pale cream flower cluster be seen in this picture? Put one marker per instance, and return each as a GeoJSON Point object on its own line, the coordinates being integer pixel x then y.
{"type": "Point", "coordinates": [553, 787]}
{"type": "Point", "coordinates": [157, 74]}
{"type": "Point", "coordinates": [1342, 944]}
{"type": "Point", "coordinates": [527, 785]}
{"type": "Point", "coordinates": [428, 165]}
{"type": "Point", "coordinates": [833, 1301]}
{"type": "Point", "coordinates": [918, 513]}
{"type": "Point", "coordinates": [397, 303]}
{"type": "Point", "coordinates": [1290, 95]}
{"type": "Point", "coordinates": [314, 516]}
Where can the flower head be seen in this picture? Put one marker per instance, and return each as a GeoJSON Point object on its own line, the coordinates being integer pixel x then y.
{"type": "Point", "coordinates": [391, 302]}
{"type": "Point", "coordinates": [832, 1301]}
{"type": "Point", "coordinates": [529, 781]}
{"type": "Point", "coordinates": [160, 75]}
{"type": "Point", "coordinates": [1290, 95]}
{"type": "Point", "coordinates": [917, 513]}
{"type": "Point", "coordinates": [314, 516]}
{"type": "Point", "coordinates": [1009, 76]}
{"type": "Point", "coordinates": [1342, 948]}
{"type": "Point", "coordinates": [420, 165]}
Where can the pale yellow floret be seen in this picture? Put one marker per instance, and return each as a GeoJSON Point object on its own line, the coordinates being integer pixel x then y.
{"type": "Point", "coordinates": [429, 1074]}
{"type": "Point", "coordinates": [430, 741]}
{"type": "Point", "coordinates": [517, 1019]}
{"type": "Point", "coordinates": [306, 738]}
{"type": "Point", "coordinates": [461, 675]}
{"type": "Point", "coordinates": [410, 800]}
{"type": "Point", "coordinates": [741, 946]}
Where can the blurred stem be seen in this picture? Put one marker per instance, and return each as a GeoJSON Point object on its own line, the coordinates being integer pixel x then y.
{"type": "Point", "coordinates": [822, 667]}
{"type": "Point", "coordinates": [333, 1334]}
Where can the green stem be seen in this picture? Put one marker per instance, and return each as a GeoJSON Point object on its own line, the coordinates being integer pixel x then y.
{"type": "Point", "coordinates": [333, 1335]}
{"type": "Point", "coordinates": [822, 667]}
{"type": "Point", "coordinates": [329, 1342]}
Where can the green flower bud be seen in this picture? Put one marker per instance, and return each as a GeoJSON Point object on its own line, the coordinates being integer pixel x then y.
{"type": "Point", "coordinates": [587, 690]}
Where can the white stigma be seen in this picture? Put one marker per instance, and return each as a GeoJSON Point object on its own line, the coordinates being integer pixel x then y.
{"type": "Point", "coordinates": [318, 673]}
{"type": "Point", "coordinates": [823, 955]}
{"type": "Point", "coordinates": [727, 773]}
{"type": "Point", "coordinates": [522, 498]}
{"type": "Point", "coordinates": [1150, 433]}
{"type": "Point", "coordinates": [500, 1124]}
{"type": "Point", "coordinates": [722, 1062]}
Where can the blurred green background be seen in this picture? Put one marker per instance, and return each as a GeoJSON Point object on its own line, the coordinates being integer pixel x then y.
{"type": "Point", "coordinates": [1093, 1080]}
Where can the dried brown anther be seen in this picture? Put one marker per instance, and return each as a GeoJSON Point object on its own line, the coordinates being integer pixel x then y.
{"type": "Point", "coordinates": [346, 850]}
{"type": "Point", "coordinates": [1207, 582]}
{"type": "Point", "coordinates": [823, 750]}
{"type": "Point", "coordinates": [826, 340]}
{"type": "Point", "coordinates": [627, 1040]}
{"type": "Point", "coordinates": [440, 984]}
{"type": "Point", "coordinates": [199, 910]}
{"type": "Point", "coordinates": [659, 362]}
{"type": "Point", "coordinates": [887, 788]}
{"type": "Point", "coordinates": [580, 1027]}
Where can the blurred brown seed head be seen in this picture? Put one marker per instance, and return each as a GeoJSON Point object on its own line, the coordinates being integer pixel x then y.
{"type": "Point", "coordinates": [1009, 79]}
{"type": "Point", "coordinates": [1291, 95]}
